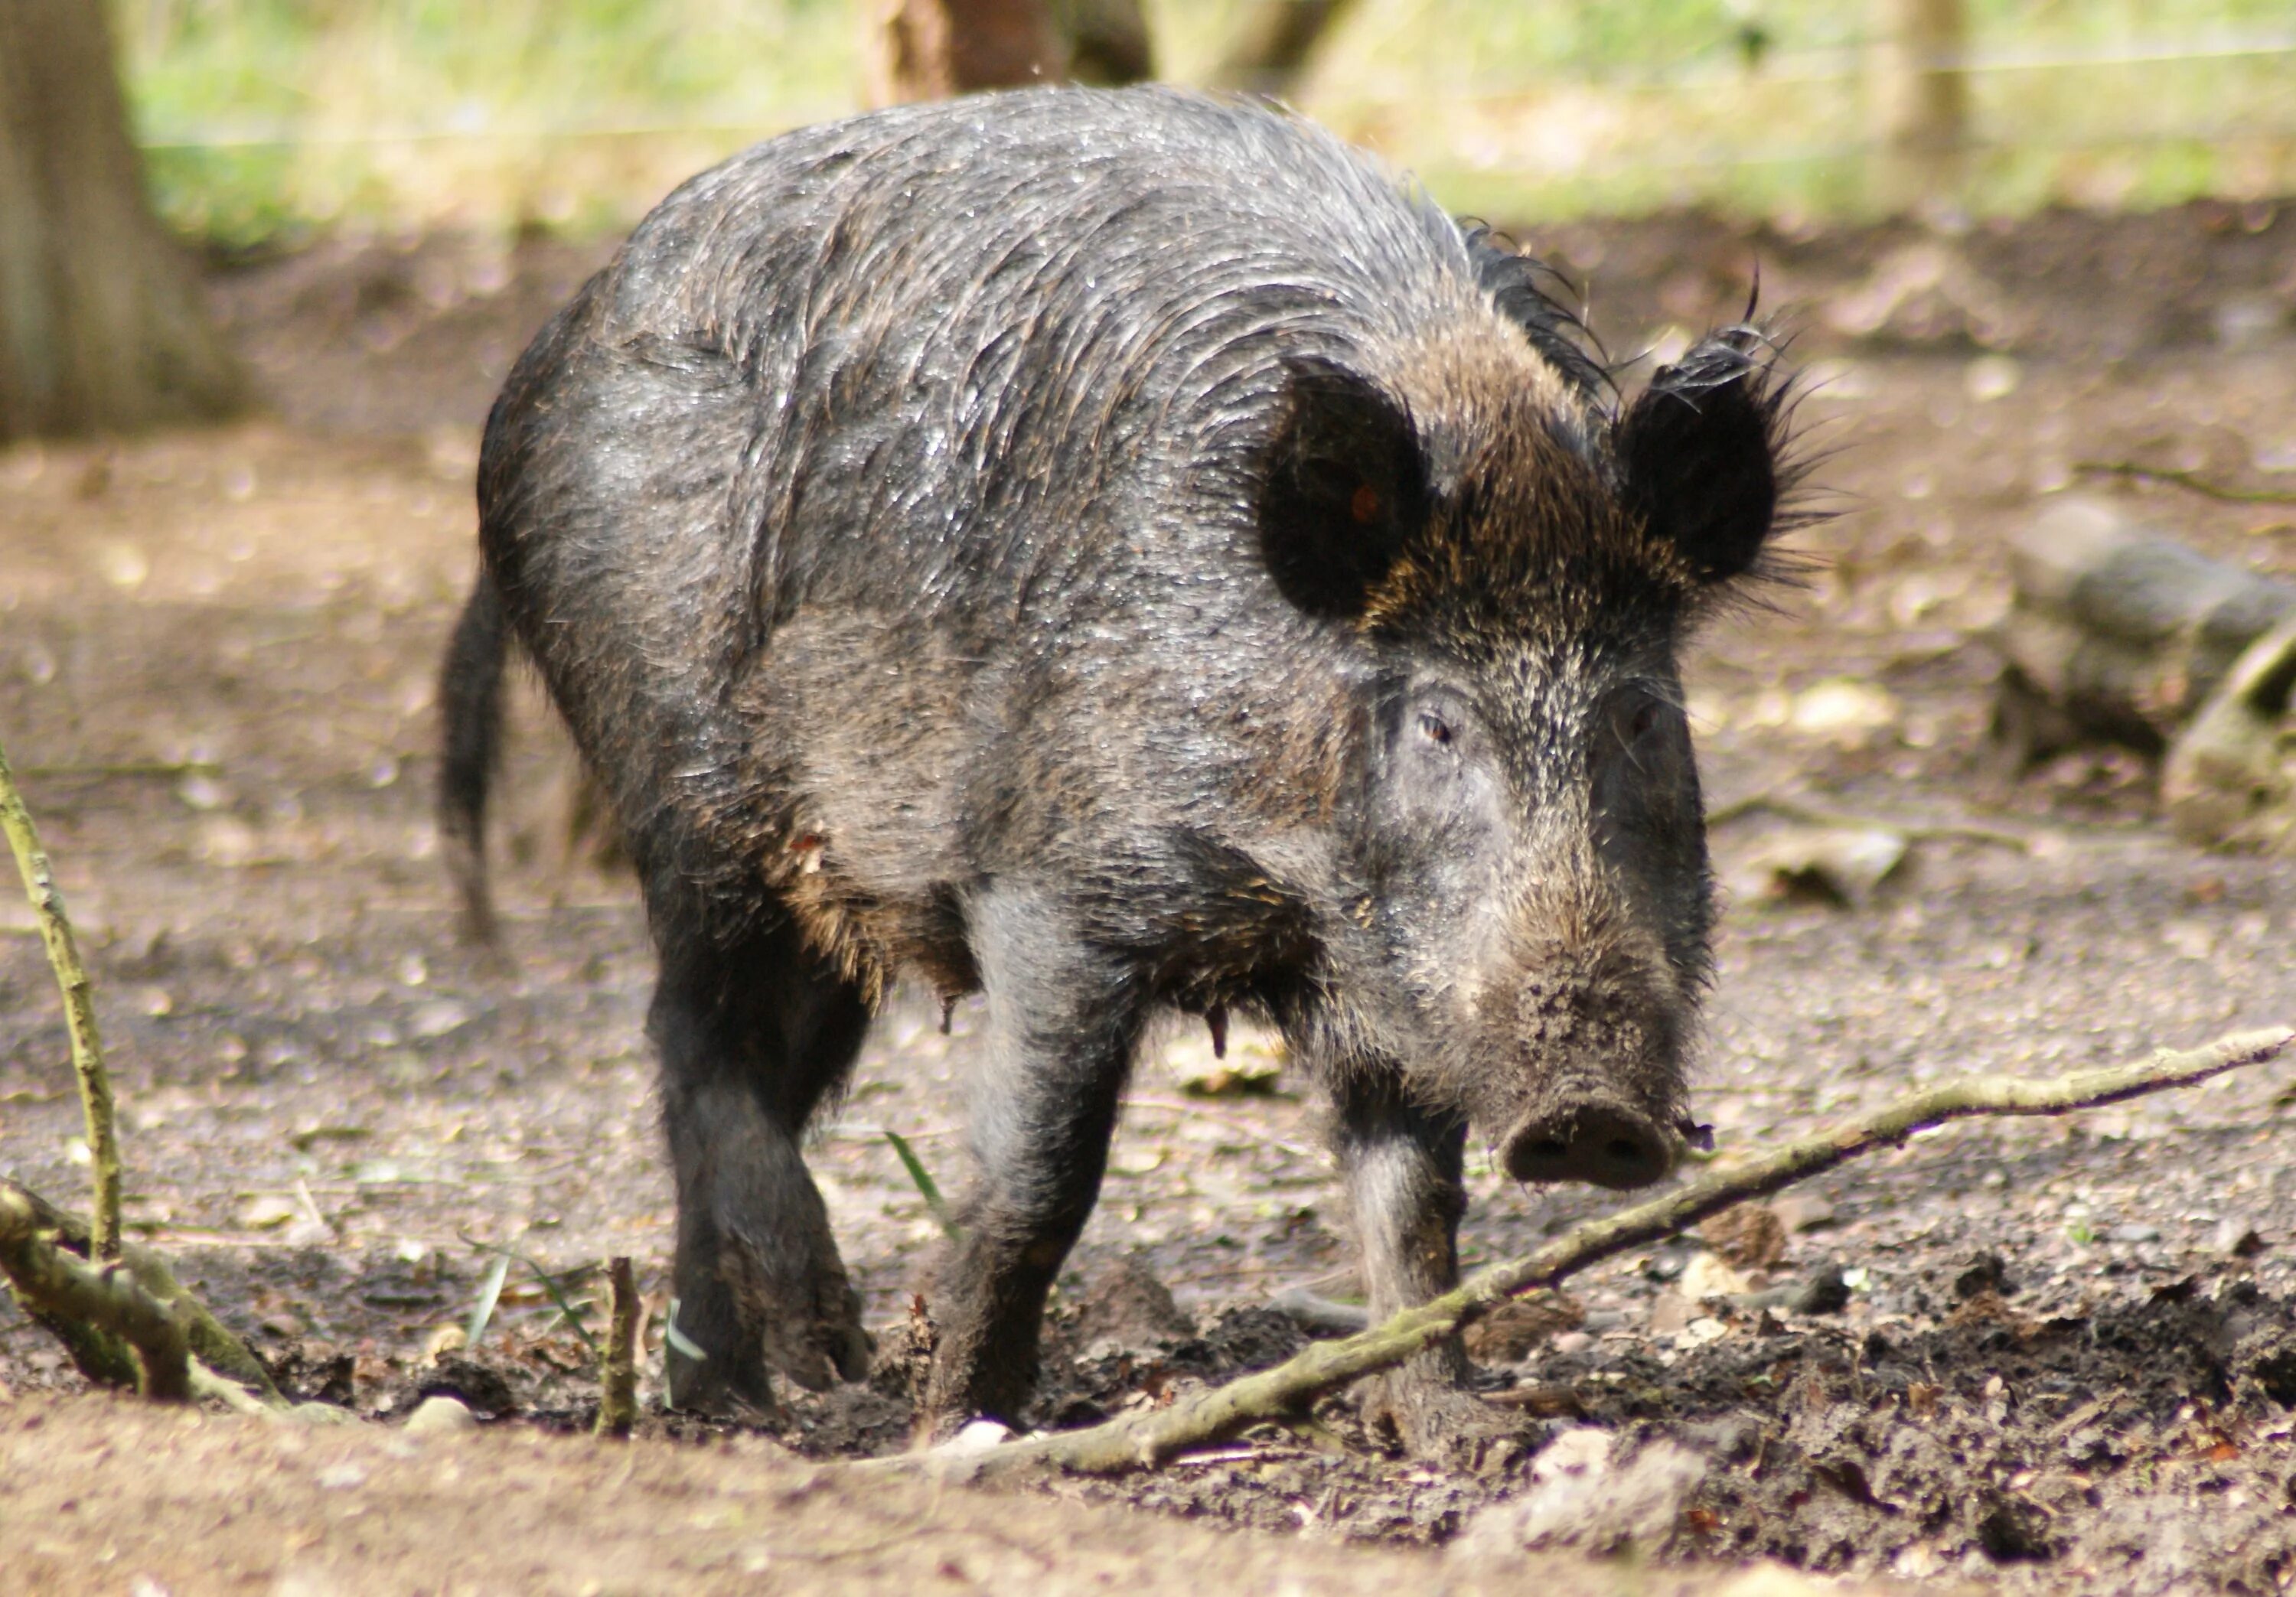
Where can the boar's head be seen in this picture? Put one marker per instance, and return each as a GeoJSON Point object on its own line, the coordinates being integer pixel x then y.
{"type": "Point", "coordinates": [1520, 561]}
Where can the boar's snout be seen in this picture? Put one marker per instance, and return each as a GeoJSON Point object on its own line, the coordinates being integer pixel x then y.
{"type": "Point", "coordinates": [1590, 1139]}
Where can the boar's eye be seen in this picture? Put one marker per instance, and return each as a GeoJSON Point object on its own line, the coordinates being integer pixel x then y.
{"type": "Point", "coordinates": [1643, 718]}
{"type": "Point", "coordinates": [1434, 728]}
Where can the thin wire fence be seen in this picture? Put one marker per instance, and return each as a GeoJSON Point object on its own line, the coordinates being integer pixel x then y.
{"type": "Point", "coordinates": [407, 113]}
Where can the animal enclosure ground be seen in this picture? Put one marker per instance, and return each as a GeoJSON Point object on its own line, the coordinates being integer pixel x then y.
{"type": "Point", "coordinates": [2065, 1360]}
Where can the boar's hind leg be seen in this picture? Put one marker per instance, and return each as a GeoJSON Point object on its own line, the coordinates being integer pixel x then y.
{"type": "Point", "coordinates": [753, 1031]}
{"type": "Point", "coordinates": [1062, 1023]}
{"type": "Point", "coordinates": [1404, 1174]}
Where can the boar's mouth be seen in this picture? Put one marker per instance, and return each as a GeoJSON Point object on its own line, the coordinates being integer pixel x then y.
{"type": "Point", "coordinates": [1594, 1137]}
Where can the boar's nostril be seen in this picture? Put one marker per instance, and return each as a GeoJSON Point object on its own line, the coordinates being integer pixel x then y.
{"type": "Point", "coordinates": [1606, 1144]}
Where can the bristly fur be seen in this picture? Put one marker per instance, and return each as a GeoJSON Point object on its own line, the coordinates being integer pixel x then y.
{"type": "Point", "coordinates": [1753, 353]}
{"type": "Point", "coordinates": [1118, 552]}
{"type": "Point", "coordinates": [1517, 285]}
{"type": "Point", "coordinates": [1795, 458]}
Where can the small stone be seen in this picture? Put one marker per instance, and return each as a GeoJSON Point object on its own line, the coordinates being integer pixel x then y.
{"type": "Point", "coordinates": [440, 1417]}
{"type": "Point", "coordinates": [443, 1340]}
{"type": "Point", "coordinates": [2135, 1232]}
{"type": "Point", "coordinates": [342, 1477]}
{"type": "Point", "coordinates": [435, 1020]}
{"type": "Point", "coordinates": [979, 1436]}
{"type": "Point", "coordinates": [2237, 1238]}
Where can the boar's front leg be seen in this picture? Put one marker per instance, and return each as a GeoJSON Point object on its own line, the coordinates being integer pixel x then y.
{"type": "Point", "coordinates": [754, 1030]}
{"type": "Point", "coordinates": [1064, 1020]}
{"type": "Point", "coordinates": [1404, 1170]}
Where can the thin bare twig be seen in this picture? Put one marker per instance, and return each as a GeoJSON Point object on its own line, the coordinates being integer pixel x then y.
{"type": "Point", "coordinates": [80, 1012]}
{"type": "Point", "coordinates": [2192, 481]}
{"type": "Point", "coordinates": [618, 1374]}
{"type": "Point", "coordinates": [1147, 1439]}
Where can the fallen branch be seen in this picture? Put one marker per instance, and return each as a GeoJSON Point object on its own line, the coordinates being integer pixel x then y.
{"type": "Point", "coordinates": [1814, 815]}
{"type": "Point", "coordinates": [2192, 481]}
{"type": "Point", "coordinates": [1147, 1439]}
{"type": "Point", "coordinates": [618, 1374]}
{"type": "Point", "coordinates": [92, 1300]}
{"type": "Point", "coordinates": [37, 1239]}
{"type": "Point", "coordinates": [80, 1010]}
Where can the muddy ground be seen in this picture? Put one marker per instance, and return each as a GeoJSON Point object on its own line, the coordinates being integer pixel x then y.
{"type": "Point", "coordinates": [2063, 1359]}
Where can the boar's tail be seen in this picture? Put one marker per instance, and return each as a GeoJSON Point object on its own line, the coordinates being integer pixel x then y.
{"type": "Point", "coordinates": [471, 714]}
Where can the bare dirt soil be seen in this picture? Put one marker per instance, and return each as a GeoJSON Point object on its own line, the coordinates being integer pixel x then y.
{"type": "Point", "coordinates": [2042, 1355]}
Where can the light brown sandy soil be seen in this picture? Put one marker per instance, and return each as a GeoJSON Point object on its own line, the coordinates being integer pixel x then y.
{"type": "Point", "coordinates": [325, 1100]}
{"type": "Point", "coordinates": [99, 1496]}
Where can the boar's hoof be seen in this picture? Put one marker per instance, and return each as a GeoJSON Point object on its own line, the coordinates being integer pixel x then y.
{"type": "Point", "coordinates": [818, 1352]}
{"type": "Point", "coordinates": [1604, 1143]}
{"type": "Point", "coordinates": [724, 1367]}
{"type": "Point", "coordinates": [722, 1387]}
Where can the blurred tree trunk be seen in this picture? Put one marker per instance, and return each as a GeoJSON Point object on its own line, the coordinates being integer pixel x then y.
{"type": "Point", "coordinates": [102, 326]}
{"type": "Point", "coordinates": [1272, 47]}
{"type": "Point", "coordinates": [1920, 98]}
{"type": "Point", "coordinates": [932, 49]}
{"type": "Point", "coordinates": [1107, 41]}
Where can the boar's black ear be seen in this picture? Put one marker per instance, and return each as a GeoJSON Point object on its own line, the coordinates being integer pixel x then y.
{"type": "Point", "coordinates": [1343, 486]}
{"type": "Point", "coordinates": [1698, 454]}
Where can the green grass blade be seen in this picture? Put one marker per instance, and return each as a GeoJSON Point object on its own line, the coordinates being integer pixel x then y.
{"type": "Point", "coordinates": [926, 1187]}
{"type": "Point", "coordinates": [489, 1293]}
{"type": "Point", "coordinates": [566, 1311]}
{"type": "Point", "coordinates": [507, 1257]}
